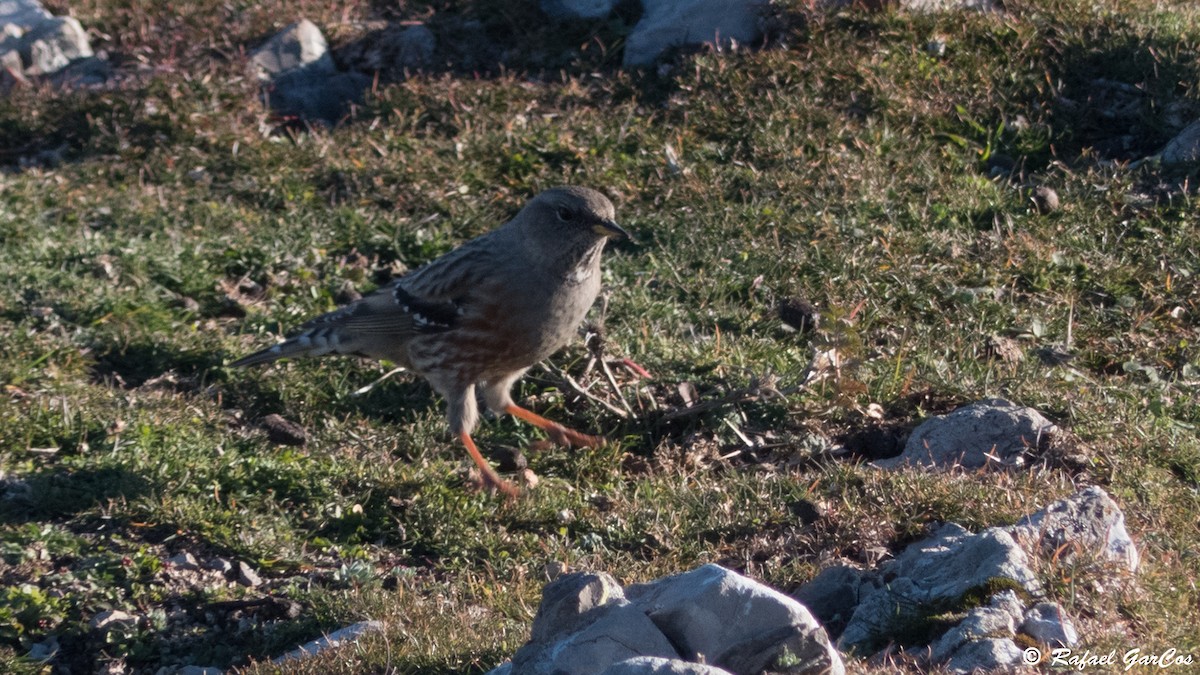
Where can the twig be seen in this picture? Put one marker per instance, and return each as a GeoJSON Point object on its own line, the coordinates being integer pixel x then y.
{"type": "Point", "coordinates": [612, 382]}
{"type": "Point", "coordinates": [578, 389]}
{"type": "Point", "coordinates": [363, 390]}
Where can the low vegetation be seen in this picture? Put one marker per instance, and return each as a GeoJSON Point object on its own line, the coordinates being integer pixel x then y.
{"type": "Point", "coordinates": [156, 229]}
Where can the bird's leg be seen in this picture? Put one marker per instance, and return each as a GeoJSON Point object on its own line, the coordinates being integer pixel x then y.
{"type": "Point", "coordinates": [489, 475]}
{"type": "Point", "coordinates": [557, 432]}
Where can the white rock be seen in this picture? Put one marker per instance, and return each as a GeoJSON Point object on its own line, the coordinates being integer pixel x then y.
{"type": "Point", "coordinates": [1088, 522]}
{"type": "Point", "coordinates": [611, 633]}
{"type": "Point", "coordinates": [578, 9]}
{"type": "Point", "coordinates": [1046, 623]}
{"type": "Point", "coordinates": [992, 432]}
{"type": "Point", "coordinates": [583, 625]}
{"type": "Point", "coordinates": [22, 13]}
{"type": "Point", "coordinates": [1184, 148]}
{"type": "Point", "coordinates": [933, 571]}
{"type": "Point", "coordinates": [335, 639]}
{"type": "Point", "coordinates": [299, 45]}
{"type": "Point", "coordinates": [988, 655]}
{"type": "Point", "coordinates": [184, 561]}
{"type": "Point", "coordinates": [735, 623]}
{"type": "Point", "coordinates": [997, 620]}
{"type": "Point", "coordinates": [53, 44]}
{"type": "Point", "coordinates": [652, 665]}
{"type": "Point", "coordinates": [111, 619]}
{"type": "Point", "coordinates": [671, 23]}
{"type": "Point", "coordinates": [947, 5]}
{"type": "Point", "coordinates": [833, 594]}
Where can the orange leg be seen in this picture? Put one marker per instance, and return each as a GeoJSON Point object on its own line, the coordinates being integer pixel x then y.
{"type": "Point", "coordinates": [557, 432]}
{"type": "Point", "coordinates": [490, 477]}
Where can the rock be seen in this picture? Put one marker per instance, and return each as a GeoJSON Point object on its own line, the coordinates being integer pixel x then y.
{"type": "Point", "coordinates": [45, 650]}
{"type": "Point", "coordinates": [992, 432]}
{"type": "Point", "coordinates": [1184, 148]}
{"type": "Point", "coordinates": [735, 623]}
{"type": "Point", "coordinates": [36, 42]}
{"type": "Point", "coordinates": [184, 561]}
{"type": "Point", "coordinates": [110, 619]}
{"type": "Point", "coordinates": [335, 639]}
{"type": "Point", "coordinates": [600, 637]}
{"type": "Point", "coordinates": [947, 5]}
{"type": "Point", "coordinates": [833, 594]}
{"type": "Point", "coordinates": [23, 14]}
{"type": "Point", "coordinates": [997, 620]}
{"type": "Point", "coordinates": [1045, 199]}
{"type": "Point", "coordinates": [566, 599]}
{"type": "Point", "coordinates": [1088, 522]}
{"type": "Point", "coordinates": [671, 23]}
{"type": "Point", "coordinates": [283, 431]}
{"type": "Point", "coordinates": [653, 665]}
{"type": "Point", "coordinates": [934, 573]}
{"type": "Point", "coordinates": [298, 46]}
{"type": "Point", "coordinates": [246, 575]}
{"type": "Point", "coordinates": [577, 9]}
{"type": "Point", "coordinates": [219, 565]}
{"type": "Point", "coordinates": [300, 79]}
{"type": "Point", "coordinates": [1046, 623]}
{"type": "Point", "coordinates": [199, 670]}
{"type": "Point", "coordinates": [987, 655]}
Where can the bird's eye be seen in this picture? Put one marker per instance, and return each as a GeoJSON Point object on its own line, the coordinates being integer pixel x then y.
{"type": "Point", "coordinates": [565, 214]}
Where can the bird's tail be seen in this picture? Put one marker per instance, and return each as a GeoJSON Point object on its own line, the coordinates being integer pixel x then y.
{"type": "Point", "coordinates": [317, 341]}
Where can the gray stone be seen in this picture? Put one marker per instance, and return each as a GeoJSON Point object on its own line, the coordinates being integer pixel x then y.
{"type": "Point", "coordinates": [931, 573]}
{"type": "Point", "coordinates": [992, 432]}
{"type": "Point", "coordinates": [1088, 522]}
{"type": "Point", "coordinates": [53, 44]}
{"type": "Point", "coordinates": [833, 594]}
{"type": "Point", "coordinates": [998, 620]}
{"type": "Point", "coordinates": [732, 622]}
{"type": "Point", "coordinates": [947, 5]}
{"type": "Point", "coordinates": [566, 599]}
{"type": "Point", "coordinates": [1046, 623]}
{"type": "Point", "coordinates": [247, 576]}
{"type": "Point", "coordinates": [298, 46]}
{"type": "Point", "coordinates": [346, 635]}
{"type": "Point", "coordinates": [601, 636]}
{"type": "Point", "coordinates": [653, 665]}
{"type": "Point", "coordinates": [23, 14]}
{"type": "Point", "coordinates": [44, 650]}
{"type": "Point", "coordinates": [113, 618]}
{"type": "Point", "coordinates": [1184, 148]}
{"type": "Point", "coordinates": [219, 565]}
{"type": "Point", "coordinates": [577, 9]}
{"type": "Point", "coordinates": [184, 561]}
{"type": "Point", "coordinates": [671, 23]}
{"type": "Point", "coordinates": [985, 656]}
{"type": "Point", "coordinates": [35, 42]}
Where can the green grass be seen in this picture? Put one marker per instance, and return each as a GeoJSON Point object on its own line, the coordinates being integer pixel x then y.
{"type": "Point", "coordinates": [844, 163]}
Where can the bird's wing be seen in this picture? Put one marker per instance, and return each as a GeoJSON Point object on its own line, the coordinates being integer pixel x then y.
{"type": "Point", "coordinates": [430, 300]}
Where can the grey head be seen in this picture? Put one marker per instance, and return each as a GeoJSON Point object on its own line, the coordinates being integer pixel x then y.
{"type": "Point", "coordinates": [568, 222]}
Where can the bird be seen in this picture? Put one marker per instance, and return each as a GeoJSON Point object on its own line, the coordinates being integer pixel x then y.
{"type": "Point", "coordinates": [480, 316]}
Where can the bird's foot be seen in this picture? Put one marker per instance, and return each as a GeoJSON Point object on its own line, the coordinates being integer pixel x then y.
{"type": "Point", "coordinates": [557, 432]}
{"type": "Point", "coordinates": [488, 477]}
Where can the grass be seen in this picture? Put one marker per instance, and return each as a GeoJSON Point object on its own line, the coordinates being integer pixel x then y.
{"type": "Point", "coordinates": [151, 232]}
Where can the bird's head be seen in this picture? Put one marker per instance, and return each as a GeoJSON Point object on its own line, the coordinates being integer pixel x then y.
{"type": "Point", "coordinates": [572, 214]}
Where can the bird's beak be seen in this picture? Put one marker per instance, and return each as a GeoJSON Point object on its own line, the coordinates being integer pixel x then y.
{"type": "Point", "coordinates": [611, 230]}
